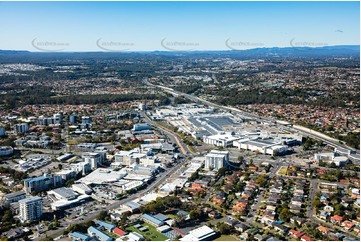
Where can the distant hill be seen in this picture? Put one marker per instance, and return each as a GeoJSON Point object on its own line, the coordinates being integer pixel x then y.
{"type": "Point", "coordinates": [22, 56]}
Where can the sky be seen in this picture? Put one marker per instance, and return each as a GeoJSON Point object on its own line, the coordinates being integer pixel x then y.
{"type": "Point", "coordinates": [149, 26]}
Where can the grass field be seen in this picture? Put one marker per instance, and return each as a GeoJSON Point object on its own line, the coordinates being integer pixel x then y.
{"type": "Point", "coordinates": [150, 234]}
{"type": "Point", "coordinates": [282, 171]}
{"type": "Point", "coordinates": [226, 238]}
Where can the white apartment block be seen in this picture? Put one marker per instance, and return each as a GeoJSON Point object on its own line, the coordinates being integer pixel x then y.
{"type": "Point", "coordinates": [216, 159]}
{"type": "Point", "coordinates": [30, 208]}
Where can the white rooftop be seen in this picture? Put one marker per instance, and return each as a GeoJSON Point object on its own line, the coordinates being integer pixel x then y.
{"type": "Point", "coordinates": [101, 176]}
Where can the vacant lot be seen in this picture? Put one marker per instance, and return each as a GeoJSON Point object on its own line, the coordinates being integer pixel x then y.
{"type": "Point", "coordinates": [282, 171]}
{"type": "Point", "coordinates": [227, 238]}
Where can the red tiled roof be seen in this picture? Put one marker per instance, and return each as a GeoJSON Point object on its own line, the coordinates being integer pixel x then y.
{"type": "Point", "coordinates": [118, 231]}
{"type": "Point", "coordinates": [306, 238]}
{"type": "Point", "coordinates": [297, 233]}
{"type": "Point", "coordinates": [337, 218]}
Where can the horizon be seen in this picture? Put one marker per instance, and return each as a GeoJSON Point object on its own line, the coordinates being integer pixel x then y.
{"type": "Point", "coordinates": [176, 26]}
{"type": "Point", "coordinates": [182, 51]}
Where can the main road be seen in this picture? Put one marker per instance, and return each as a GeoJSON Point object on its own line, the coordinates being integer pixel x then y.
{"type": "Point", "coordinates": [165, 175]}
{"type": "Point", "coordinates": [304, 131]}
{"type": "Point", "coordinates": [173, 136]}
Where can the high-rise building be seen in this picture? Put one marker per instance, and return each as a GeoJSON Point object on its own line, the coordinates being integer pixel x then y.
{"type": "Point", "coordinates": [31, 208]}
{"type": "Point", "coordinates": [92, 158]}
{"type": "Point", "coordinates": [216, 159]}
{"type": "Point", "coordinates": [57, 118]}
{"type": "Point", "coordinates": [21, 128]}
{"type": "Point", "coordinates": [72, 118]}
{"type": "Point", "coordinates": [85, 120]}
{"type": "Point", "coordinates": [42, 183]}
{"type": "Point", "coordinates": [2, 131]}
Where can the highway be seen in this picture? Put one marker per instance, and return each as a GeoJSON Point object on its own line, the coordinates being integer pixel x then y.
{"type": "Point", "coordinates": [295, 128]}
{"type": "Point", "coordinates": [174, 136]}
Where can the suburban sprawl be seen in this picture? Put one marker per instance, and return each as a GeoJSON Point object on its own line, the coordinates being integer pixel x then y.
{"type": "Point", "coordinates": [179, 147]}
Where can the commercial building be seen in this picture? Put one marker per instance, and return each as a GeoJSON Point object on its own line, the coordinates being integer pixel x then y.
{"type": "Point", "coordinates": [216, 159]}
{"type": "Point", "coordinates": [77, 236]}
{"type": "Point", "coordinates": [127, 158]}
{"type": "Point", "coordinates": [141, 127]}
{"type": "Point", "coordinates": [66, 174]}
{"type": "Point", "coordinates": [81, 167]}
{"type": "Point", "coordinates": [267, 146]}
{"type": "Point", "coordinates": [101, 224]}
{"type": "Point", "coordinates": [30, 208]}
{"type": "Point", "coordinates": [102, 176]}
{"type": "Point", "coordinates": [21, 128]}
{"type": "Point", "coordinates": [331, 157]}
{"type": "Point", "coordinates": [65, 157]}
{"type": "Point", "coordinates": [94, 232]}
{"type": "Point", "coordinates": [94, 159]}
{"type": "Point", "coordinates": [82, 188]}
{"type": "Point", "coordinates": [134, 236]}
{"type": "Point", "coordinates": [6, 150]}
{"type": "Point", "coordinates": [152, 220]}
{"type": "Point", "coordinates": [62, 193]}
{"type": "Point", "coordinates": [222, 140]}
{"type": "Point", "coordinates": [200, 234]}
{"type": "Point", "coordinates": [42, 183]}
{"type": "Point", "coordinates": [13, 197]}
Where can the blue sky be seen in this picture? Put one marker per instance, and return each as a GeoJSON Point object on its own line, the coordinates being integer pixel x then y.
{"type": "Point", "coordinates": [97, 26]}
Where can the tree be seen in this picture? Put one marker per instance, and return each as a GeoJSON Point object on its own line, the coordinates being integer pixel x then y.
{"type": "Point", "coordinates": [222, 171]}
{"type": "Point", "coordinates": [240, 158]}
{"type": "Point", "coordinates": [316, 203]}
{"type": "Point", "coordinates": [102, 215]}
{"type": "Point", "coordinates": [224, 228]}
{"type": "Point", "coordinates": [180, 220]}
{"type": "Point", "coordinates": [194, 215]}
{"type": "Point", "coordinates": [285, 214]}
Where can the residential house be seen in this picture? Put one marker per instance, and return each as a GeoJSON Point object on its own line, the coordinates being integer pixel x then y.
{"type": "Point", "coordinates": [280, 228]}
{"type": "Point", "coordinates": [348, 225]}
{"type": "Point", "coordinates": [306, 238]}
{"type": "Point", "coordinates": [299, 221]}
{"type": "Point", "coordinates": [323, 229]}
{"type": "Point", "coordinates": [297, 234]}
{"type": "Point", "coordinates": [240, 227]}
{"type": "Point", "coordinates": [336, 219]}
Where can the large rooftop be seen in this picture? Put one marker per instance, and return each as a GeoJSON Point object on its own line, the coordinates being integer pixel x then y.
{"type": "Point", "coordinates": [101, 176]}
